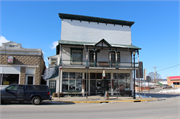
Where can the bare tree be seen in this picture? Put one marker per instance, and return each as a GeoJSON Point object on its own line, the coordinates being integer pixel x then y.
{"type": "Point", "coordinates": [152, 75]}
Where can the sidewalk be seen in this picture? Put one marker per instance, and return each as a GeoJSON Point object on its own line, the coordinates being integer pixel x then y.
{"type": "Point", "coordinates": [100, 99]}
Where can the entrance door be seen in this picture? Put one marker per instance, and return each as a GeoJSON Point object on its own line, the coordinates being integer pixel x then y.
{"type": "Point", "coordinates": [29, 79]}
{"type": "Point", "coordinates": [104, 86]}
{"type": "Point", "coordinates": [98, 86]}
{"type": "Point", "coordinates": [52, 87]}
{"type": "Point", "coordinates": [93, 87]}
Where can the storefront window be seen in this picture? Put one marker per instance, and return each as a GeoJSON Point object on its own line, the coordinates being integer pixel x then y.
{"type": "Point", "coordinates": [121, 76]}
{"type": "Point", "coordinates": [72, 75]}
{"type": "Point", "coordinates": [65, 75]}
{"type": "Point", "coordinates": [78, 75]}
{"type": "Point", "coordinates": [72, 81]}
{"type": "Point", "coordinates": [108, 76]}
{"type": "Point", "coordinates": [115, 85]}
{"type": "Point", "coordinates": [92, 75]}
{"type": "Point", "coordinates": [78, 85]}
{"type": "Point", "coordinates": [122, 82]}
{"type": "Point", "coordinates": [64, 85]}
{"type": "Point", "coordinates": [72, 85]}
{"type": "Point", "coordinates": [128, 81]}
{"type": "Point", "coordinates": [8, 79]}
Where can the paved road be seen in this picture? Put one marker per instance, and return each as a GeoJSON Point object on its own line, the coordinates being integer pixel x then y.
{"type": "Point", "coordinates": [165, 109]}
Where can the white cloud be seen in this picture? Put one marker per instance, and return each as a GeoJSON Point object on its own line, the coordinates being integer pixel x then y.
{"type": "Point", "coordinates": [54, 44]}
{"type": "Point", "coordinates": [3, 40]}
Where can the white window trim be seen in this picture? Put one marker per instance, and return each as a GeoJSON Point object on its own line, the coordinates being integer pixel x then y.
{"type": "Point", "coordinates": [27, 79]}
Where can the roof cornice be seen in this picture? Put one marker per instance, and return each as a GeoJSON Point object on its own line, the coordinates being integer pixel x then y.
{"type": "Point", "coordinates": [95, 19]}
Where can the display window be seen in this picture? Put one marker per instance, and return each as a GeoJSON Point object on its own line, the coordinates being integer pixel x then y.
{"type": "Point", "coordinates": [121, 81]}
{"type": "Point", "coordinates": [72, 81]}
{"type": "Point", "coordinates": [9, 79]}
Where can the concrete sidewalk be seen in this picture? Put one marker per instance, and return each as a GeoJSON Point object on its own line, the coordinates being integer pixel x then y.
{"type": "Point", "coordinates": [100, 99]}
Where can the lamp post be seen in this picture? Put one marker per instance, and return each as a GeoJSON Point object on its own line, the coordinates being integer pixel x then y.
{"type": "Point", "coordinates": [134, 75]}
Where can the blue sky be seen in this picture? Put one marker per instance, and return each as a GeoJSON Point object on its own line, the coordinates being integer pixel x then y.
{"type": "Point", "coordinates": [35, 24]}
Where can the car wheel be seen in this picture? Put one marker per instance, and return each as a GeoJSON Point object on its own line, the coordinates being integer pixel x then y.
{"type": "Point", "coordinates": [36, 100]}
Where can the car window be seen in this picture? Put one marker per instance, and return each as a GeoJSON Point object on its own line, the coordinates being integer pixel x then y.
{"type": "Point", "coordinates": [20, 88]}
{"type": "Point", "coordinates": [36, 88]}
{"type": "Point", "coordinates": [12, 88]}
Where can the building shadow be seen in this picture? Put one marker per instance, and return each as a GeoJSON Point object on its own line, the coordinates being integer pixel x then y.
{"type": "Point", "coordinates": [160, 95]}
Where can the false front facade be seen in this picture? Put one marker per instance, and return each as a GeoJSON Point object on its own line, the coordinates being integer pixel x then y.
{"type": "Point", "coordinates": [93, 56]}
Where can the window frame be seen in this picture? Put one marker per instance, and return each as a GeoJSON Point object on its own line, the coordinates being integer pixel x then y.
{"type": "Point", "coordinates": [27, 79]}
{"type": "Point", "coordinates": [79, 50]}
{"type": "Point", "coordinates": [54, 59]}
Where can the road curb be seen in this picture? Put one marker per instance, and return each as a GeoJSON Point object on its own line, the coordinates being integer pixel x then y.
{"type": "Point", "coordinates": [110, 101]}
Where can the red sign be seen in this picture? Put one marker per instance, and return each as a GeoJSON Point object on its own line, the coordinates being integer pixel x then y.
{"type": "Point", "coordinates": [10, 59]}
{"type": "Point", "coordinates": [174, 78]}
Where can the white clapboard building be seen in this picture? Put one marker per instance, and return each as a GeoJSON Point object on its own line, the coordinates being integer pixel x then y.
{"type": "Point", "coordinates": [94, 55]}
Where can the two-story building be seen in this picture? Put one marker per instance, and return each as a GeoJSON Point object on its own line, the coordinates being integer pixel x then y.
{"type": "Point", "coordinates": [20, 65]}
{"type": "Point", "coordinates": [94, 55]}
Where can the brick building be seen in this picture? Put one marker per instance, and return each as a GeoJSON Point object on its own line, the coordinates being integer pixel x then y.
{"type": "Point", "coordinates": [174, 81]}
{"type": "Point", "coordinates": [20, 65]}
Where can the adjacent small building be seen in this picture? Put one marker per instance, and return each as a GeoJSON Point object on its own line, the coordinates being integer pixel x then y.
{"type": "Point", "coordinates": [94, 55]}
{"type": "Point", "coordinates": [20, 65]}
{"type": "Point", "coordinates": [174, 81]}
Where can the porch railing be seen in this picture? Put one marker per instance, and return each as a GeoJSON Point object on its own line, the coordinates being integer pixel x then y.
{"type": "Point", "coordinates": [99, 64]}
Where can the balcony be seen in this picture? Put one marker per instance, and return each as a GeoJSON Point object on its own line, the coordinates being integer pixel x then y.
{"type": "Point", "coordinates": [69, 63]}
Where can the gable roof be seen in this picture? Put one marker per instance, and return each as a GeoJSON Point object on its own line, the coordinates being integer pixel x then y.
{"type": "Point", "coordinates": [103, 43]}
{"type": "Point", "coordinates": [95, 19]}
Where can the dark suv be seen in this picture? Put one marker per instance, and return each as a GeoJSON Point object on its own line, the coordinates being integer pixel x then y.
{"type": "Point", "coordinates": [33, 93]}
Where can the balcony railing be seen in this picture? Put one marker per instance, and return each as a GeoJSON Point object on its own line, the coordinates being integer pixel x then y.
{"type": "Point", "coordinates": [99, 64]}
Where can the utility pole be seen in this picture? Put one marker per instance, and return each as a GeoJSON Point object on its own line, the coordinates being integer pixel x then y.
{"type": "Point", "coordinates": [155, 74]}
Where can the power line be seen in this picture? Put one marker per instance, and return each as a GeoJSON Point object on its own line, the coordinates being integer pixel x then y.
{"type": "Point", "coordinates": [169, 67]}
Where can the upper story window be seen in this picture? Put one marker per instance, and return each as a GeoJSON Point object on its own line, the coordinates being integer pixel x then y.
{"type": "Point", "coordinates": [76, 56]}
{"type": "Point", "coordinates": [12, 46]}
{"type": "Point", "coordinates": [53, 61]}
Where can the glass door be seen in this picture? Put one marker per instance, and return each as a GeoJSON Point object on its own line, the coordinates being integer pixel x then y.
{"type": "Point", "coordinates": [98, 82]}
{"type": "Point", "coordinates": [93, 87]}
{"type": "Point", "coordinates": [52, 86]}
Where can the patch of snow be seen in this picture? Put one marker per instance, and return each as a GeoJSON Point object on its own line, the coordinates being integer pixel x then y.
{"type": "Point", "coordinates": [170, 91]}
{"type": "Point", "coordinates": [49, 72]}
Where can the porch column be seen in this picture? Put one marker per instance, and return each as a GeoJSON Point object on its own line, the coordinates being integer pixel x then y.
{"type": "Point", "coordinates": [60, 80]}
{"type": "Point", "coordinates": [94, 57]}
{"type": "Point", "coordinates": [116, 58]}
{"type": "Point", "coordinates": [112, 84]}
{"type": "Point", "coordinates": [60, 56]}
{"type": "Point", "coordinates": [83, 86]}
{"type": "Point", "coordinates": [60, 72]}
{"type": "Point", "coordinates": [131, 78]}
{"type": "Point", "coordinates": [110, 57]}
{"type": "Point", "coordinates": [89, 83]}
{"type": "Point", "coordinates": [86, 56]}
